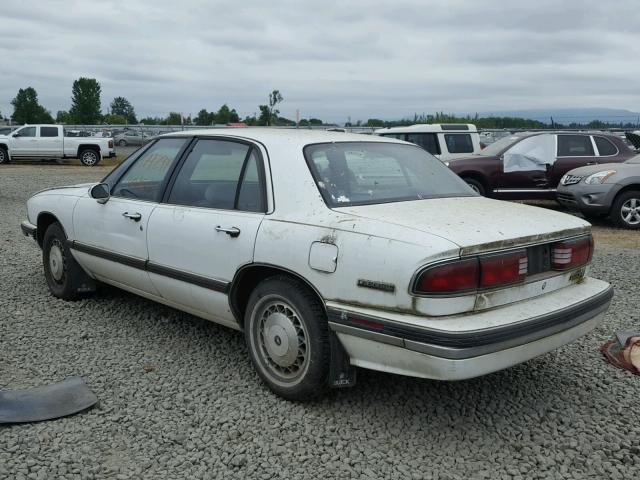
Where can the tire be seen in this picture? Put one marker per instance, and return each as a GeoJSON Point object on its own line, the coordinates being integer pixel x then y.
{"type": "Point", "coordinates": [122, 143]}
{"type": "Point", "coordinates": [4, 156]}
{"type": "Point", "coordinates": [280, 310]}
{"type": "Point", "coordinates": [89, 157]}
{"type": "Point", "coordinates": [65, 278]}
{"type": "Point", "coordinates": [625, 212]}
{"type": "Point", "coordinates": [477, 186]}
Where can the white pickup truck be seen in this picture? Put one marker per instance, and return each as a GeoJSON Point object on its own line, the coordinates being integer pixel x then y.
{"type": "Point", "coordinates": [49, 141]}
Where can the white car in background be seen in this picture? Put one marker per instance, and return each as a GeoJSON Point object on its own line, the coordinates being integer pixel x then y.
{"type": "Point", "coordinates": [53, 142]}
{"type": "Point", "coordinates": [329, 250]}
{"type": "Point", "coordinates": [443, 141]}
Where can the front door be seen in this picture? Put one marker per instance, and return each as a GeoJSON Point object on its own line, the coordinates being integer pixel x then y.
{"type": "Point", "coordinates": [111, 239]}
{"type": "Point", "coordinates": [207, 225]}
{"type": "Point", "coordinates": [524, 168]}
{"type": "Point", "coordinates": [24, 143]}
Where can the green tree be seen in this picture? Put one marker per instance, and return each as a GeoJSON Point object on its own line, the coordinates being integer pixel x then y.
{"type": "Point", "coordinates": [63, 117]}
{"type": "Point", "coordinates": [122, 107]}
{"type": "Point", "coordinates": [85, 101]}
{"type": "Point", "coordinates": [204, 117]}
{"type": "Point", "coordinates": [375, 122]}
{"type": "Point", "coordinates": [265, 115]}
{"type": "Point", "coordinates": [274, 99]}
{"type": "Point", "coordinates": [172, 119]}
{"type": "Point", "coordinates": [112, 119]}
{"type": "Point", "coordinates": [226, 115]}
{"type": "Point", "coordinates": [26, 108]}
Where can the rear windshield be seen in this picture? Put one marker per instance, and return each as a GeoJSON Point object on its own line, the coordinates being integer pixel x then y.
{"type": "Point", "coordinates": [365, 173]}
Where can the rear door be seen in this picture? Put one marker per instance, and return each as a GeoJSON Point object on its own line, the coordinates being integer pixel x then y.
{"type": "Point", "coordinates": [206, 227]}
{"type": "Point", "coordinates": [573, 151]}
{"type": "Point", "coordinates": [50, 141]}
{"type": "Point", "coordinates": [111, 238]}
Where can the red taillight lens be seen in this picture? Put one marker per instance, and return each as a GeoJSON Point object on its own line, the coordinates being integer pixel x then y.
{"type": "Point", "coordinates": [571, 253]}
{"type": "Point", "coordinates": [451, 277]}
{"type": "Point", "coordinates": [110, 143]}
{"type": "Point", "coordinates": [503, 269]}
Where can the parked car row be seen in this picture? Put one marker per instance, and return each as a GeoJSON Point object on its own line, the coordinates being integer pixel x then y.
{"type": "Point", "coordinates": [594, 173]}
{"type": "Point", "coordinates": [329, 251]}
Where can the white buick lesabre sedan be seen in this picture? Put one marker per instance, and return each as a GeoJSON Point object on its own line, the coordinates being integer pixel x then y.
{"type": "Point", "coordinates": [330, 251]}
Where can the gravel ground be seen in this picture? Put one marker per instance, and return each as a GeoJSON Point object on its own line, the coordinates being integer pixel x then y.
{"type": "Point", "coordinates": [179, 399]}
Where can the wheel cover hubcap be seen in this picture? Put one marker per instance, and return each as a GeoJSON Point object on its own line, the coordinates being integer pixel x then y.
{"type": "Point", "coordinates": [56, 261]}
{"type": "Point", "coordinates": [630, 211]}
{"type": "Point", "coordinates": [282, 339]}
{"type": "Point", "coordinates": [89, 158]}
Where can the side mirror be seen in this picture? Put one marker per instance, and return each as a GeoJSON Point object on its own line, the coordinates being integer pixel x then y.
{"type": "Point", "coordinates": [14, 135]}
{"type": "Point", "coordinates": [100, 192]}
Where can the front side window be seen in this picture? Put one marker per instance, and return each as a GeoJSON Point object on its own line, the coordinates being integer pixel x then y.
{"type": "Point", "coordinates": [575, 146]}
{"type": "Point", "coordinates": [49, 131]}
{"type": "Point", "coordinates": [458, 142]}
{"type": "Point", "coordinates": [428, 141]}
{"type": "Point", "coordinates": [146, 178]}
{"type": "Point", "coordinates": [220, 174]}
{"type": "Point", "coordinates": [605, 147]}
{"type": "Point", "coordinates": [363, 173]}
{"type": "Point", "coordinates": [27, 132]}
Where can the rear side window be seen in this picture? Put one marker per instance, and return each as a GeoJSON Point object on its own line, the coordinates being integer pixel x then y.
{"type": "Point", "coordinates": [49, 131]}
{"type": "Point", "coordinates": [575, 146]}
{"type": "Point", "coordinates": [220, 174]}
{"type": "Point", "coordinates": [428, 141]}
{"type": "Point", "coordinates": [605, 147]}
{"type": "Point", "coordinates": [146, 178]}
{"type": "Point", "coordinates": [458, 142]}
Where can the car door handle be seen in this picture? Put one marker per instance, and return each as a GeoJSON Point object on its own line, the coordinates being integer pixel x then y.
{"type": "Point", "coordinates": [592, 163]}
{"type": "Point", "coordinates": [233, 232]}
{"type": "Point", "coordinates": [133, 216]}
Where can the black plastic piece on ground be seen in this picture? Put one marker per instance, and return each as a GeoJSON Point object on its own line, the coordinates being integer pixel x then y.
{"type": "Point", "coordinates": [45, 403]}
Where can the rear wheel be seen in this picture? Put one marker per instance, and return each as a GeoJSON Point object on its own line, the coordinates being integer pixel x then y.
{"type": "Point", "coordinates": [89, 157]}
{"type": "Point", "coordinates": [625, 211]}
{"type": "Point", "coordinates": [287, 335]}
{"type": "Point", "coordinates": [477, 186]}
{"type": "Point", "coordinates": [4, 156]}
{"type": "Point", "coordinates": [122, 143]}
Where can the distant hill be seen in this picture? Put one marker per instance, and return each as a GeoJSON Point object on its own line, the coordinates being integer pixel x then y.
{"type": "Point", "coordinates": [570, 115]}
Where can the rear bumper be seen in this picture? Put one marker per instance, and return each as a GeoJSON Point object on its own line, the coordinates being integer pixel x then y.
{"type": "Point", "coordinates": [28, 229]}
{"type": "Point", "coordinates": [382, 344]}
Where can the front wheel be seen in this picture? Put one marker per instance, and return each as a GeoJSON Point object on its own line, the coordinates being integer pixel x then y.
{"type": "Point", "coordinates": [625, 212]}
{"type": "Point", "coordinates": [65, 278]}
{"type": "Point", "coordinates": [89, 158]}
{"type": "Point", "coordinates": [287, 336]}
{"type": "Point", "coordinates": [122, 143]}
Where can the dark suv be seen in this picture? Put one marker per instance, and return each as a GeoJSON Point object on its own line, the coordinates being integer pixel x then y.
{"type": "Point", "coordinates": [530, 165]}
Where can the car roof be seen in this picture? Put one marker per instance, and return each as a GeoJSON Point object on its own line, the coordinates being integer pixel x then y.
{"type": "Point", "coordinates": [428, 127]}
{"type": "Point", "coordinates": [289, 136]}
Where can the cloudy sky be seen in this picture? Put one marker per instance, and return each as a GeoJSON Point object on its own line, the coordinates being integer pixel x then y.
{"type": "Point", "coordinates": [330, 59]}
